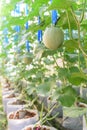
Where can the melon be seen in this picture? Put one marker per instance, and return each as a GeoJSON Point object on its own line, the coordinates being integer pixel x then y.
{"type": "Point", "coordinates": [53, 38]}
{"type": "Point", "coordinates": [27, 60]}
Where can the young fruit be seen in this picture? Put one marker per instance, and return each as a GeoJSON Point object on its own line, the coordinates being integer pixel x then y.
{"type": "Point", "coordinates": [53, 38]}
{"type": "Point", "coordinates": [14, 62]}
{"type": "Point", "coordinates": [27, 60]}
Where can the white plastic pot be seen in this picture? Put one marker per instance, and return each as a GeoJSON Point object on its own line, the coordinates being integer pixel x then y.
{"type": "Point", "coordinates": [48, 103]}
{"type": "Point", "coordinates": [5, 100]}
{"type": "Point", "coordinates": [18, 124]}
{"type": "Point", "coordinates": [57, 109]}
{"type": "Point", "coordinates": [7, 92]}
{"type": "Point", "coordinates": [77, 123]}
{"type": "Point", "coordinates": [83, 92]}
{"type": "Point", "coordinates": [14, 107]}
{"type": "Point", "coordinates": [43, 99]}
{"type": "Point", "coordinates": [6, 85]}
{"type": "Point", "coordinates": [32, 126]}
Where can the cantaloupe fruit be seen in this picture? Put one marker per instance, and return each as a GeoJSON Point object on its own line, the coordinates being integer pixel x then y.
{"type": "Point", "coordinates": [53, 37]}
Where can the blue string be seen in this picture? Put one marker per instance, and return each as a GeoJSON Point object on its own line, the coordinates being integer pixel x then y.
{"type": "Point", "coordinates": [39, 35]}
{"type": "Point", "coordinates": [27, 46]}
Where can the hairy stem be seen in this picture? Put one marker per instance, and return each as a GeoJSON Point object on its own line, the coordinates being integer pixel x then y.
{"type": "Point", "coordinates": [78, 27]}
{"type": "Point", "coordinates": [82, 16]}
{"type": "Point", "coordinates": [70, 32]}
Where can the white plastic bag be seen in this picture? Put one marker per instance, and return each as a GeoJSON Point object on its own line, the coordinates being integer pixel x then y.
{"type": "Point", "coordinates": [7, 92]}
{"type": "Point", "coordinates": [18, 124]}
{"type": "Point", "coordinates": [13, 108]}
{"type": "Point", "coordinates": [73, 123]}
{"type": "Point", "coordinates": [5, 100]}
{"type": "Point", "coordinates": [32, 126]}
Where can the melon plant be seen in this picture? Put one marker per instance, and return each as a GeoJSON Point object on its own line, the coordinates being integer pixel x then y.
{"type": "Point", "coordinates": [53, 37]}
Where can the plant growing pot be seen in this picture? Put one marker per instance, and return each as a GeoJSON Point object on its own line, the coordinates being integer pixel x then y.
{"type": "Point", "coordinates": [6, 99]}
{"type": "Point", "coordinates": [38, 127]}
{"type": "Point", "coordinates": [49, 103]}
{"type": "Point", "coordinates": [21, 118]}
{"type": "Point", "coordinates": [83, 92]}
{"type": "Point", "coordinates": [6, 91]}
{"type": "Point", "coordinates": [57, 109]}
{"type": "Point", "coordinates": [42, 99]}
{"type": "Point", "coordinates": [6, 85]}
{"type": "Point", "coordinates": [15, 105]}
{"type": "Point", "coordinates": [77, 122]}
{"type": "Point", "coordinates": [77, 89]}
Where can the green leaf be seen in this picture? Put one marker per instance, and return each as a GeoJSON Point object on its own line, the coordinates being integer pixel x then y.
{"type": "Point", "coordinates": [37, 5]}
{"type": "Point", "coordinates": [61, 4]}
{"type": "Point", "coordinates": [76, 81]}
{"type": "Point", "coordinates": [66, 18]}
{"type": "Point", "coordinates": [69, 90]}
{"type": "Point", "coordinates": [73, 69]}
{"type": "Point", "coordinates": [45, 88]}
{"type": "Point", "coordinates": [79, 75]}
{"type": "Point", "coordinates": [74, 111]}
{"type": "Point", "coordinates": [48, 52]}
{"type": "Point", "coordinates": [70, 45]}
{"type": "Point", "coordinates": [7, 8]}
{"type": "Point", "coordinates": [9, 46]}
{"type": "Point", "coordinates": [67, 100]}
{"type": "Point", "coordinates": [72, 58]}
{"type": "Point", "coordinates": [32, 71]}
{"type": "Point", "coordinates": [77, 78]}
{"type": "Point", "coordinates": [63, 73]}
{"type": "Point", "coordinates": [30, 89]}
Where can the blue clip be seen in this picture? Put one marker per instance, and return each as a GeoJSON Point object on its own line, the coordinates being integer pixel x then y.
{"type": "Point", "coordinates": [54, 16]}
{"type": "Point", "coordinates": [39, 35]}
{"type": "Point", "coordinates": [26, 25]}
